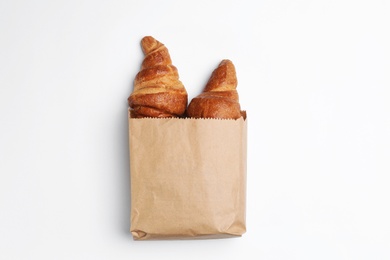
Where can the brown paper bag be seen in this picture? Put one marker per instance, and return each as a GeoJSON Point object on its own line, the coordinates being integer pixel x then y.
{"type": "Point", "coordinates": [188, 177]}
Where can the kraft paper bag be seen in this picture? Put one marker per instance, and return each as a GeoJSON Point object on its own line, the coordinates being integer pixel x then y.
{"type": "Point", "coordinates": [188, 178]}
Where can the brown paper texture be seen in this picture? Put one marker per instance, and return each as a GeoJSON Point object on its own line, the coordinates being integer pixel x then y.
{"type": "Point", "coordinates": [188, 178]}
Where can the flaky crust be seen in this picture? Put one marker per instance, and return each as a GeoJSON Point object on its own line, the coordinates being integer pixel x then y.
{"type": "Point", "coordinates": [219, 98]}
{"type": "Point", "coordinates": [158, 92]}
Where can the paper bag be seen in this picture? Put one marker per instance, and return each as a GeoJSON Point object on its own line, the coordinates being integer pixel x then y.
{"type": "Point", "coordinates": [188, 177]}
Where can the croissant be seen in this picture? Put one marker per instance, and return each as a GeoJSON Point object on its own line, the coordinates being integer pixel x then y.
{"type": "Point", "coordinates": [219, 98]}
{"type": "Point", "coordinates": [158, 92]}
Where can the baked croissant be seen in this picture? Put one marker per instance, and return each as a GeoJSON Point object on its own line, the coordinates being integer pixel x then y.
{"type": "Point", "coordinates": [158, 92]}
{"type": "Point", "coordinates": [219, 98]}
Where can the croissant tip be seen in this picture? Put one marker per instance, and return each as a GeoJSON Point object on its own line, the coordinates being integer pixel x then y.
{"type": "Point", "coordinates": [226, 62]}
{"type": "Point", "coordinates": [149, 43]}
{"type": "Point", "coordinates": [148, 38]}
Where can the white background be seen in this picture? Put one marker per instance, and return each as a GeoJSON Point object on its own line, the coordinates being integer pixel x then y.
{"type": "Point", "coordinates": [313, 76]}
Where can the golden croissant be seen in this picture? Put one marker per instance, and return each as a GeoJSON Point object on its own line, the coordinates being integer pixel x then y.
{"type": "Point", "coordinates": [219, 98]}
{"type": "Point", "coordinates": [158, 92]}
